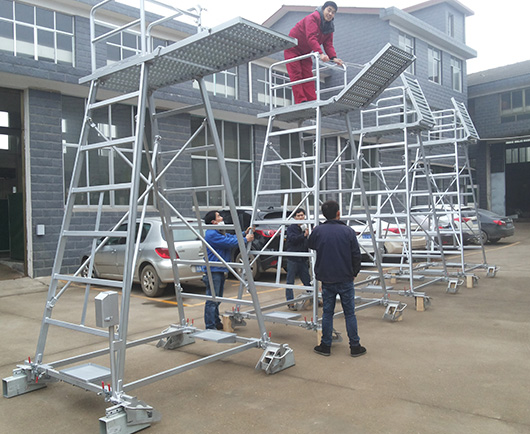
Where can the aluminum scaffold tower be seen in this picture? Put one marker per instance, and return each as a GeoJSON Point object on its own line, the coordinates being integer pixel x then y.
{"type": "Point", "coordinates": [315, 178]}
{"type": "Point", "coordinates": [134, 80]}
{"type": "Point", "coordinates": [391, 155]}
{"type": "Point", "coordinates": [450, 174]}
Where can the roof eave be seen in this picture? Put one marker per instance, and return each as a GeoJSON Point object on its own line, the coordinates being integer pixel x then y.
{"type": "Point", "coordinates": [407, 22]}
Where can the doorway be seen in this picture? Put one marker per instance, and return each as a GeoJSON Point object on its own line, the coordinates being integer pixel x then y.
{"type": "Point", "coordinates": [12, 233]}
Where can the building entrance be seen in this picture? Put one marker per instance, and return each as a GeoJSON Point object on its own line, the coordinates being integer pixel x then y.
{"type": "Point", "coordinates": [12, 243]}
{"type": "Point", "coordinates": [518, 180]}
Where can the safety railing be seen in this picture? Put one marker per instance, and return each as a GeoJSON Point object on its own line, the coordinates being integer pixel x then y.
{"type": "Point", "coordinates": [138, 24]}
{"type": "Point", "coordinates": [317, 74]}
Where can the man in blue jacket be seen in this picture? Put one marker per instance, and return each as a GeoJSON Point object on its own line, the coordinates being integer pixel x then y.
{"type": "Point", "coordinates": [297, 265]}
{"type": "Point", "coordinates": [222, 243]}
{"type": "Point", "coordinates": [338, 262]}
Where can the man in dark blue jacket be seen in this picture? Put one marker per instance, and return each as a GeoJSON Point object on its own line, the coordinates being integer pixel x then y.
{"type": "Point", "coordinates": [297, 265]}
{"type": "Point", "coordinates": [338, 262]}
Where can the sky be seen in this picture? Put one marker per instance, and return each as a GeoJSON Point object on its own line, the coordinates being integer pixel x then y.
{"type": "Point", "coordinates": [498, 31]}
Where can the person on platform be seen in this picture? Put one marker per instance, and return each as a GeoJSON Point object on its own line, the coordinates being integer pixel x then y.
{"type": "Point", "coordinates": [313, 32]}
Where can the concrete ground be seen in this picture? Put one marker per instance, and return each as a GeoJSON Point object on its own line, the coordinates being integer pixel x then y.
{"type": "Point", "coordinates": [462, 366]}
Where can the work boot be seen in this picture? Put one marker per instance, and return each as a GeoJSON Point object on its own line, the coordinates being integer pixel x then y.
{"type": "Point", "coordinates": [323, 350]}
{"type": "Point", "coordinates": [219, 326]}
{"type": "Point", "coordinates": [357, 351]}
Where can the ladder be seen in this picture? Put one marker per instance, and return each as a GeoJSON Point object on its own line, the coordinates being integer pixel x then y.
{"type": "Point", "coordinates": [315, 174]}
{"type": "Point", "coordinates": [455, 198]}
{"type": "Point", "coordinates": [134, 81]}
{"type": "Point", "coordinates": [390, 154]}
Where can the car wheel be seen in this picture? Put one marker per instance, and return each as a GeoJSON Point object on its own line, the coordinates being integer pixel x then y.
{"type": "Point", "coordinates": [84, 271]}
{"type": "Point", "coordinates": [254, 267]}
{"type": "Point", "coordinates": [150, 282]}
{"type": "Point", "coordinates": [494, 240]}
{"type": "Point", "coordinates": [484, 236]}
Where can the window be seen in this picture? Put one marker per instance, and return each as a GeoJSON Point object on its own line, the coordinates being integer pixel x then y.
{"type": "Point", "coordinates": [124, 44]}
{"type": "Point", "coordinates": [237, 144]}
{"type": "Point", "coordinates": [102, 166]}
{"type": "Point", "coordinates": [451, 25]}
{"type": "Point", "coordinates": [36, 33]}
{"type": "Point", "coordinates": [282, 97]}
{"type": "Point", "coordinates": [515, 105]}
{"type": "Point", "coordinates": [291, 176]}
{"type": "Point", "coordinates": [456, 74]}
{"type": "Point", "coordinates": [407, 43]}
{"type": "Point", "coordinates": [222, 83]}
{"type": "Point", "coordinates": [518, 155]}
{"type": "Point", "coordinates": [435, 65]}
{"type": "Point", "coordinates": [370, 179]}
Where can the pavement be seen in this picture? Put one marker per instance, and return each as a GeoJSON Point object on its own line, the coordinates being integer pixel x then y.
{"type": "Point", "coordinates": [461, 366]}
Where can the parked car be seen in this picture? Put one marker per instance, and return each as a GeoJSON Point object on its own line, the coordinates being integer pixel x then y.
{"type": "Point", "coordinates": [449, 222]}
{"type": "Point", "coordinates": [493, 227]}
{"type": "Point", "coordinates": [391, 233]}
{"type": "Point", "coordinates": [263, 234]}
{"type": "Point", "coordinates": [153, 267]}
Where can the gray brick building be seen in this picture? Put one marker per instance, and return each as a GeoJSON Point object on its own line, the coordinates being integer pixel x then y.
{"type": "Point", "coordinates": [499, 104]}
{"type": "Point", "coordinates": [45, 50]}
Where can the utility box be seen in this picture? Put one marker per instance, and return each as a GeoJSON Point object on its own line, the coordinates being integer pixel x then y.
{"type": "Point", "coordinates": [107, 309]}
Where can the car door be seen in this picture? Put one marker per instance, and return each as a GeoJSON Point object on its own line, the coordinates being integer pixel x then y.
{"type": "Point", "coordinates": [106, 258]}
{"type": "Point", "coordinates": [122, 245]}
{"type": "Point", "coordinates": [187, 246]}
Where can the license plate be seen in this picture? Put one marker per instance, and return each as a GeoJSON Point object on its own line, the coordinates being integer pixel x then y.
{"type": "Point", "coordinates": [367, 236]}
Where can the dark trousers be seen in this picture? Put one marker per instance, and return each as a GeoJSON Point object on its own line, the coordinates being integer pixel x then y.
{"type": "Point", "coordinates": [294, 269]}
{"type": "Point", "coordinates": [346, 292]}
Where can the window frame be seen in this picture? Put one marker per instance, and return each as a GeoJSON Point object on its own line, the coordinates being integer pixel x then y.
{"type": "Point", "coordinates": [434, 65]}
{"type": "Point", "coordinates": [38, 31]}
{"type": "Point", "coordinates": [457, 70]}
{"type": "Point", "coordinates": [262, 81]}
{"type": "Point", "coordinates": [217, 83]}
{"type": "Point", "coordinates": [408, 43]}
{"type": "Point", "coordinates": [110, 158]}
{"type": "Point", "coordinates": [245, 166]}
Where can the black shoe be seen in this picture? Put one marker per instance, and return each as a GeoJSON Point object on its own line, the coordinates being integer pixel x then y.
{"type": "Point", "coordinates": [219, 326]}
{"type": "Point", "coordinates": [357, 351]}
{"type": "Point", "coordinates": [323, 350]}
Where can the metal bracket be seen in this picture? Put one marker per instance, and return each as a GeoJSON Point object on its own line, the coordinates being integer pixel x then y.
{"type": "Point", "coordinates": [394, 311]}
{"type": "Point", "coordinates": [492, 271]}
{"type": "Point", "coordinates": [23, 380]}
{"type": "Point", "coordinates": [128, 418]}
{"type": "Point", "coordinates": [276, 358]}
{"type": "Point", "coordinates": [452, 286]}
{"type": "Point", "coordinates": [175, 341]}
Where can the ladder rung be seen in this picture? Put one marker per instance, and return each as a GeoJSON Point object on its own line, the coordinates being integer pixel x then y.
{"type": "Point", "coordinates": [196, 149]}
{"type": "Point", "coordinates": [384, 169]}
{"type": "Point", "coordinates": [89, 280]}
{"type": "Point", "coordinates": [95, 234]}
{"type": "Point", "coordinates": [107, 187]}
{"type": "Point", "coordinates": [292, 130]}
{"type": "Point", "coordinates": [286, 191]}
{"type": "Point", "coordinates": [289, 161]}
{"type": "Point", "coordinates": [108, 143]}
{"type": "Point", "coordinates": [114, 100]}
{"type": "Point", "coordinates": [201, 188]}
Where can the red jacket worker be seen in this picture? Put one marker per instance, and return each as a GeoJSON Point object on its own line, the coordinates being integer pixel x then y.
{"type": "Point", "coordinates": [312, 32]}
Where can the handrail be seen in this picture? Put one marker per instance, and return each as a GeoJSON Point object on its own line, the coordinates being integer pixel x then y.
{"type": "Point", "coordinates": [144, 29]}
{"type": "Point", "coordinates": [316, 77]}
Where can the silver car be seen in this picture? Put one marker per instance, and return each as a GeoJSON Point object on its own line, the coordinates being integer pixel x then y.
{"type": "Point", "coordinates": [153, 268]}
